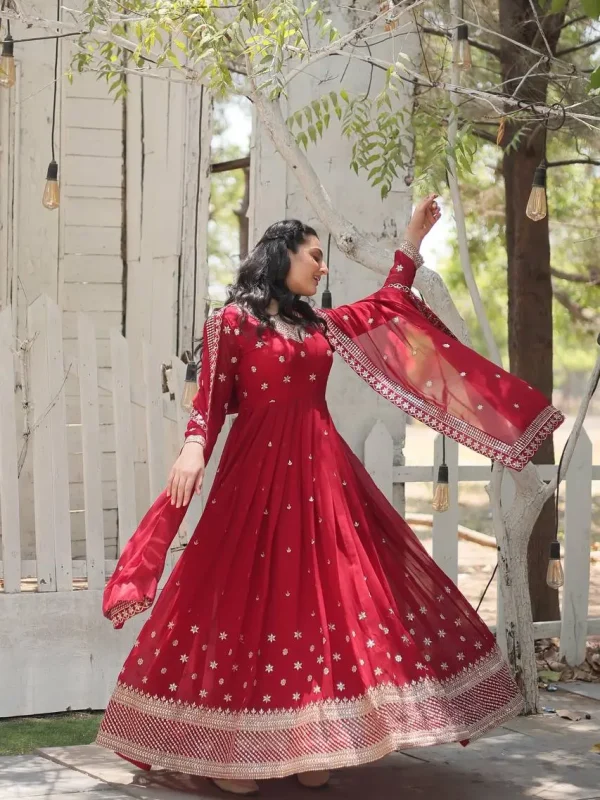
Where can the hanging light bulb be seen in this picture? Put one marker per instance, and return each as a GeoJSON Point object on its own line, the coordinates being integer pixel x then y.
{"type": "Point", "coordinates": [391, 23]}
{"type": "Point", "coordinates": [51, 197]}
{"type": "Point", "coordinates": [555, 577]}
{"type": "Point", "coordinates": [190, 387]}
{"type": "Point", "coordinates": [326, 300]}
{"type": "Point", "coordinates": [8, 73]}
{"type": "Point", "coordinates": [441, 495]}
{"type": "Point", "coordinates": [537, 205]}
{"type": "Point", "coordinates": [462, 48]}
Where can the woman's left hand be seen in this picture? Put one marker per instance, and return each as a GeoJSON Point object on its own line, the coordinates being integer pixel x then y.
{"type": "Point", "coordinates": [425, 215]}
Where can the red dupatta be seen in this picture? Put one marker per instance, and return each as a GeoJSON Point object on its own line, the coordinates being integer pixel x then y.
{"type": "Point", "coordinates": [395, 343]}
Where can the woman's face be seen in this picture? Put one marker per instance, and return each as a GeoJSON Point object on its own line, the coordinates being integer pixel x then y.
{"type": "Point", "coordinates": [307, 268]}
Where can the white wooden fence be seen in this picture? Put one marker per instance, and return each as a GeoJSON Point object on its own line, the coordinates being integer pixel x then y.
{"type": "Point", "coordinates": [56, 649]}
{"type": "Point", "coordinates": [575, 625]}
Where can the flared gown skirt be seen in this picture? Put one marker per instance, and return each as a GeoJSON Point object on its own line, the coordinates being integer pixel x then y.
{"type": "Point", "coordinates": [304, 627]}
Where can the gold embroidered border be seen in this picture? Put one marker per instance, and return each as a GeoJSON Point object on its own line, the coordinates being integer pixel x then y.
{"type": "Point", "coordinates": [491, 666]}
{"type": "Point", "coordinates": [126, 609]}
{"type": "Point", "coordinates": [267, 744]}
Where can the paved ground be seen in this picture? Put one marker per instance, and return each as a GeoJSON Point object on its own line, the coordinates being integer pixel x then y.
{"type": "Point", "coordinates": [544, 757]}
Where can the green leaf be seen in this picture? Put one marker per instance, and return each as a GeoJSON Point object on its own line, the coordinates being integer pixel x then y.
{"type": "Point", "coordinates": [312, 133]}
{"type": "Point", "coordinates": [173, 59]}
{"type": "Point", "coordinates": [595, 79]}
{"type": "Point", "coordinates": [344, 96]}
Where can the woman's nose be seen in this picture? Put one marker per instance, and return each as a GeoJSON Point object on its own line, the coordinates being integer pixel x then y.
{"type": "Point", "coordinates": [324, 269]}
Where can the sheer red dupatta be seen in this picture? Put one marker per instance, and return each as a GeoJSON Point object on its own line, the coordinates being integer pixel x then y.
{"type": "Point", "coordinates": [394, 342]}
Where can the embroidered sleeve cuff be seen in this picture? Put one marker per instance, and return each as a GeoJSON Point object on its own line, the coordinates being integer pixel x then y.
{"type": "Point", "coordinates": [413, 253]}
{"type": "Point", "coordinates": [196, 438]}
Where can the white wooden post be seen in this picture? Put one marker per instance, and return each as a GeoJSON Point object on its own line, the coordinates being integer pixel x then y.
{"type": "Point", "coordinates": [154, 422]}
{"type": "Point", "coordinates": [49, 445]}
{"type": "Point", "coordinates": [578, 522]}
{"type": "Point", "coordinates": [57, 375]}
{"type": "Point", "coordinates": [9, 482]}
{"type": "Point", "coordinates": [445, 525]}
{"type": "Point", "coordinates": [379, 459]}
{"type": "Point", "coordinates": [119, 353]}
{"type": "Point", "coordinates": [195, 215]}
{"type": "Point", "coordinates": [92, 455]}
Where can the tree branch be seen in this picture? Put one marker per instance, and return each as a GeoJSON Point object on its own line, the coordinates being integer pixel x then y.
{"type": "Point", "coordinates": [574, 21]}
{"type": "Point", "coordinates": [485, 135]}
{"type": "Point", "coordinates": [592, 278]}
{"type": "Point", "coordinates": [578, 47]}
{"type": "Point", "coordinates": [338, 45]}
{"type": "Point", "coordinates": [568, 161]}
{"type": "Point", "coordinates": [348, 239]}
{"type": "Point", "coordinates": [487, 48]}
{"type": "Point", "coordinates": [576, 311]}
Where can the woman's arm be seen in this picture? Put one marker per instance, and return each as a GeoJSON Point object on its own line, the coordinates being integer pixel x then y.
{"type": "Point", "coordinates": [219, 367]}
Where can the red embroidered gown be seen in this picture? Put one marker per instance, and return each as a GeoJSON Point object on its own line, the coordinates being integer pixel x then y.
{"type": "Point", "coordinates": [305, 627]}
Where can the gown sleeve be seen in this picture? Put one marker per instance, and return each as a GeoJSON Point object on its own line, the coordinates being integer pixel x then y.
{"type": "Point", "coordinates": [218, 372]}
{"type": "Point", "coordinates": [132, 588]}
{"type": "Point", "coordinates": [398, 345]}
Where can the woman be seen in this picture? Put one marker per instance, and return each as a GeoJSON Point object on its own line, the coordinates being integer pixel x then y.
{"type": "Point", "coordinates": [305, 628]}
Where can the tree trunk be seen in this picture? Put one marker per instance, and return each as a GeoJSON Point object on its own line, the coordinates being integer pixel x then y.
{"type": "Point", "coordinates": [528, 250]}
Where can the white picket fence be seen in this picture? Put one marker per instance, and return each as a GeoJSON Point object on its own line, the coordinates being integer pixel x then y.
{"type": "Point", "coordinates": [56, 649]}
{"type": "Point", "coordinates": [54, 568]}
{"type": "Point", "coordinates": [575, 625]}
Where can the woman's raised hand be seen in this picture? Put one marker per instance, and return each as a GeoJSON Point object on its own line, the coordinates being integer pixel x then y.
{"type": "Point", "coordinates": [424, 217]}
{"type": "Point", "coordinates": [186, 475]}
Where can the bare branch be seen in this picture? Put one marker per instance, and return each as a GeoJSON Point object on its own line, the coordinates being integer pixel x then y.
{"type": "Point", "coordinates": [568, 161]}
{"type": "Point", "coordinates": [485, 135]}
{"type": "Point", "coordinates": [487, 48]}
{"type": "Point", "coordinates": [583, 46]}
{"type": "Point", "coordinates": [541, 29]}
{"type": "Point", "coordinates": [576, 311]}
{"type": "Point", "coordinates": [338, 45]}
{"type": "Point", "coordinates": [574, 21]}
{"type": "Point", "coordinates": [592, 278]}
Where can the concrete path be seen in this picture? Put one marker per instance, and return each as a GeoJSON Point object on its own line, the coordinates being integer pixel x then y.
{"type": "Point", "coordinates": [543, 757]}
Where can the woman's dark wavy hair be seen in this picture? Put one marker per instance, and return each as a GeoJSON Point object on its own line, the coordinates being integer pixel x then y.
{"type": "Point", "coordinates": [262, 275]}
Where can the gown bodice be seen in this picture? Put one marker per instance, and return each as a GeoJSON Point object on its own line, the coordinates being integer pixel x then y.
{"type": "Point", "coordinates": [275, 369]}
